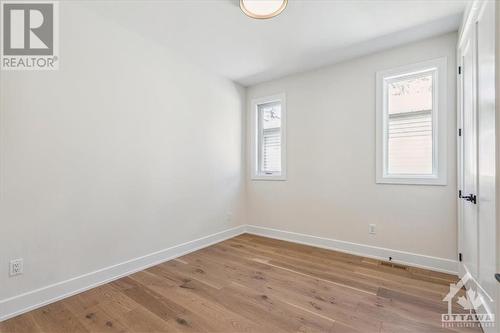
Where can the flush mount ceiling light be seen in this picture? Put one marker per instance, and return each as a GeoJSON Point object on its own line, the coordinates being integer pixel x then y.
{"type": "Point", "coordinates": [262, 9]}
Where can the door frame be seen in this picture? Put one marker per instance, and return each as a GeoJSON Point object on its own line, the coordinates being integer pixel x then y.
{"type": "Point", "coordinates": [460, 147]}
{"type": "Point", "coordinates": [468, 24]}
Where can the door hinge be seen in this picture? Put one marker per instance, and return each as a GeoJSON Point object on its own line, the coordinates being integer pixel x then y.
{"type": "Point", "coordinates": [460, 257]}
{"type": "Point", "coordinates": [459, 70]}
{"type": "Point", "coordinates": [459, 132]}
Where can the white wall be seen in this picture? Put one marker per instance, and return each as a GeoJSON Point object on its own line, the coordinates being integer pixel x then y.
{"type": "Point", "coordinates": [124, 151]}
{"type": "Point", "coordinates": [331, 190]}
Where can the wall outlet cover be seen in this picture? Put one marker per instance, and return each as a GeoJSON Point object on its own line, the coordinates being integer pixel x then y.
{"type": "Point", "coordinates": [16, 267]}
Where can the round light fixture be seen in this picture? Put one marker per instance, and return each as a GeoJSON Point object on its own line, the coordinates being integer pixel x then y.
{"type": "Point", "coordinates": [262, 9]}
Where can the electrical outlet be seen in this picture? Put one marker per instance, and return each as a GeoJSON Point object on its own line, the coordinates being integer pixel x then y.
{"type": "Point", "coordinates": [16, 267]}
{"type": "Point", "coordinates": [371, 229]}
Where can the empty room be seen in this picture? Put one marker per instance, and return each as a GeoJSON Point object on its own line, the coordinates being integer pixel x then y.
{"type": "Point", "coordinates": [255, 166]}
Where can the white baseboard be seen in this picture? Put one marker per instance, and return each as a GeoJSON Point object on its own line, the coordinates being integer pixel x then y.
{"type": "Point", "coordinates": [400, 257]}
{"type": "Point", "coordinates": [31, 300]}
{"type": "Point", "coordinates": [34, 299]}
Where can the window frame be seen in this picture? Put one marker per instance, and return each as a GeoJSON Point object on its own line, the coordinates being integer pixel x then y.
{"type": "Point", "coordinates": [438, 68]}
{"type": "Point", "coordinates": [257, 138]}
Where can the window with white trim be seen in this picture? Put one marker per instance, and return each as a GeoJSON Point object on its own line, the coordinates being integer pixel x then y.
{"type": "Point", "coordinates": [269, 138]}
{"type": "Point", "coordinates": [411, 124]}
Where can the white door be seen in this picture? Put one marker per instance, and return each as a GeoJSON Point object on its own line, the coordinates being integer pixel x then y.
{"type": "Point", "coordinates": [485, 28]}
{"type": "Point", "coordinates": [469, 225]}
{"type": "Point", "coordinates": [477, 153]}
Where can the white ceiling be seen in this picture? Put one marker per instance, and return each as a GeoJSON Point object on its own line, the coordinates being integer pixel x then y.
{"type": "Point", "coordinates": [308, 34]}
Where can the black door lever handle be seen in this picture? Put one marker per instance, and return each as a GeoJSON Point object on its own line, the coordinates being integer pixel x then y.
{"type": "Point", "coordinates": [497, 276]}
{"type": "Point", "coordinates": [471, 198]}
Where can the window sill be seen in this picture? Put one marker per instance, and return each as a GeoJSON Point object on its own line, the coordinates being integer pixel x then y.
{"type": "Point", "coordinates": [271, 177]}
{"type": "Point", "coordinates": [411, 181]}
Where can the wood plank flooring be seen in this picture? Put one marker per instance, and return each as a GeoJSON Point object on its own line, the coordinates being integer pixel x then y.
{"type": "Point", "coordinates": [255, 284]}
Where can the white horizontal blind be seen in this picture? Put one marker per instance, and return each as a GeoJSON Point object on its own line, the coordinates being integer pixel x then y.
{"type": "Point", "coordinates": [271, 150]}
{"type": "Point", "coordinates": [270, 138]}
{"type": "Point", "coordinates": [410, 128]}
{"type": "Point", "coordinates": [410, 143]}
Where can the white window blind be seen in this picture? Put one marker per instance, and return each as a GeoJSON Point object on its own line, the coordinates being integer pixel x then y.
{"type": "Point", "coordinates": [270, 138]}
{"type": "Point", "coordinates": [271, 146]}
{"type": "Point", "coordinates": [410, 143]}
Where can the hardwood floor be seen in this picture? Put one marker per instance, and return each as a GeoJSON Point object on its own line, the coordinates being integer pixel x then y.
{"type": "Point", "coordinates": [255, 284]}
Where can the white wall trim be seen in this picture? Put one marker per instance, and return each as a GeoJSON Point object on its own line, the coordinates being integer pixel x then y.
{"type": "Point", "coordinates": [34, 299]}
{"type": "Point", "coordinates": [470, 14]}
{"type": "Point", "coordinates": [400, 257]}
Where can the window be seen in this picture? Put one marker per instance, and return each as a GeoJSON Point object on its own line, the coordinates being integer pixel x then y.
{"type": "Point", "coordinates": [269, 138]}
{"type": "Point", "coordinates": [411, 124]}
